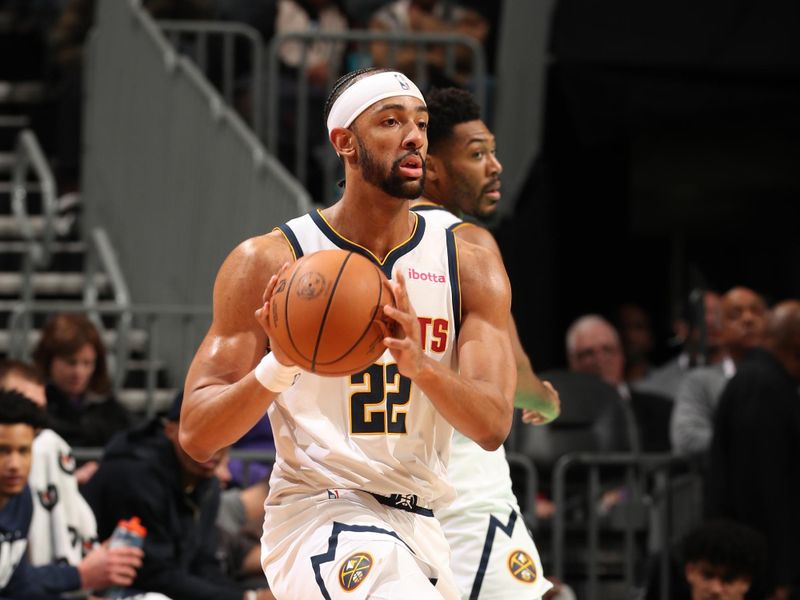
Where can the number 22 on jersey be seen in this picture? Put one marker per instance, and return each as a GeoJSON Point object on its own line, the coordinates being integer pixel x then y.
{"type": "Point", "coordinates": [379, 398]}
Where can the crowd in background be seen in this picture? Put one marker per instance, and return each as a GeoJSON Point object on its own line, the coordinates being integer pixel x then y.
{"type": "Point", "coordinates": [728, 399]}
{"type": "Point", "coordinates": [725, 397]}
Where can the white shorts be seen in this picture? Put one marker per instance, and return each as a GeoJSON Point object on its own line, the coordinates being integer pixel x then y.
{"type": "Point", "coordinates": [493, 555]}
{"type": "Point", "coordinates": [345, 544]}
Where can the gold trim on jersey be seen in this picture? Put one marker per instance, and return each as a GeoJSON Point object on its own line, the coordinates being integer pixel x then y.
{"type": "Point", "coordinates": [288, 243]}
{"type": "Point", "coordinates": [388, 254]}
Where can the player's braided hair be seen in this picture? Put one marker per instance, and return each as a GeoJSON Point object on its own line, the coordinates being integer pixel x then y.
{"type": "Point", "coordinates": [344, 82]}
{"type": "Point", "coordinates": [447, 108]}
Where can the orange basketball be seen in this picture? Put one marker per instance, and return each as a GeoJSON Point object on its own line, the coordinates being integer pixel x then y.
{"type": "Point", "coordinates": [326, 312]}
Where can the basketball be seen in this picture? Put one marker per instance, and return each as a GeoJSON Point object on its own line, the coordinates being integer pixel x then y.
{"type": "Point", "coordinates": [326, 312]}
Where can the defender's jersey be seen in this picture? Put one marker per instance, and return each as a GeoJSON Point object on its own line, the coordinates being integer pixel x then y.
{"type": "Point", "coordinates": [480, 478]}
{"type": "Point", "coordinates": [493, 555]}
{"type": "Point", "coordinates": [373, 431]}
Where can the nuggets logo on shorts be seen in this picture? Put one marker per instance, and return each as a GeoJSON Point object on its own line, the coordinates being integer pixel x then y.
{"type": "Point", "coordinates": [521, 566]}
{"type": "Point", "coordinates": [354, 571]}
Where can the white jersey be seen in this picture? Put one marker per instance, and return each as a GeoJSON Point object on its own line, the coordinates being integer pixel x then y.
{"type": "Point", "coordinates": [479, 477]}
{"type": "Point", "coordinates": [493, 555]}
{"type": "Point", "coordinates": [373, 431]}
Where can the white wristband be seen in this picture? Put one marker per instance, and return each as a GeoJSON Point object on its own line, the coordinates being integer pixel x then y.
{"type": "Point", "coordinates": [273, 375]}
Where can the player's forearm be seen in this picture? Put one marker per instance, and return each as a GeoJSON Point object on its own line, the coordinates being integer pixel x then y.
{"type": "Point", "coordinates": [216, 415]}
{"type": "Point", "coordinates": [477, 409]}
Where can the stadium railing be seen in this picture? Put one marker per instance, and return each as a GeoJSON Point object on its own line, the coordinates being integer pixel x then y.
{"type": "Point", "coordinates": [29, 157]}
{"type": "Point", "coordinates": [651, 481]}
{"type": "Point", "coordinates": [476, 79]}
{"type": "Point", "coordinates": [170, 171]}
{"type": "Point", "coordinates": [194, 37]}
{"type": "Point", "coordinates": [142, 332]}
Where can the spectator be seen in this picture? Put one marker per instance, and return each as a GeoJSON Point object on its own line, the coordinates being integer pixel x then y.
{"type": "Point", "coordinates": [19, 420]}
{"type": "Point", "coordinates": [743, 319]}
{"type": "Point", "coordinates": [636, 334]}
{"type": "Point", "coordinates": [241, 521]}
{"type": "Point", "coordinates": [63, 528]}
{"type": "Point", "coordinates": [101, 568]}
{"type": "Point", "coordinates": [593, 346]}
{"type": "Point", "coordinates": [146, 473]}
{"type": "Point", "coordinates": [756, 447]}
{"type": "Point", "coordinates": [73, 358]}
{"type": "Point", "coordinates": [697, 330]}
{"type": "Point", "coordinates": [320, 63]}
{"type": "Point", "coordinates": [320, 60]}
{"type": "Point", "coordinates": [427, 16]}
{"type": "Point", "coordinates": [719, 560]}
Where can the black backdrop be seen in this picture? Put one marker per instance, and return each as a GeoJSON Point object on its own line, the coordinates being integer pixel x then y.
{"type": "Point", "coordinates": [671, 157]}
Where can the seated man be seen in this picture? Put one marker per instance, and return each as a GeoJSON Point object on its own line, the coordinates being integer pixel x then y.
{"type": "Point", "coordinates": [146, 473]}
{"type": "Point", "coordinates": [19, 420]}
{"type": "Point", "coordinates": [743, 321]}
{"type": "Point", "coordinates": [60, 527]}
{"type": "Point", "coordinates": [63, 528]}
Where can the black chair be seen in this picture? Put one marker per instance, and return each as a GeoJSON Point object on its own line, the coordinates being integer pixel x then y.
{"type": "Point", "coordinates": [592, 420]}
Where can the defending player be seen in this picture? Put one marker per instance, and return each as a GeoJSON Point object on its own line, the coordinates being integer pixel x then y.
{"type": "Point", "coordinates": [493, 555]}
{"type": "Point", "coordinates": [361, 460]}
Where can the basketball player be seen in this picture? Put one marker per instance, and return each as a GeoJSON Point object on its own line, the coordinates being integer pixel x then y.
{"type": "Point", "coordinates": [361, 460]}
{"type": "Point", "coordinates": [493, 555]}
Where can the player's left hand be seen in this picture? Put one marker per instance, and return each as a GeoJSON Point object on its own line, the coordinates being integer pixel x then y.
{"type": "Point", "coordinates": [407, 350]}
{"type": "Point", "coordinates": [534, 417]}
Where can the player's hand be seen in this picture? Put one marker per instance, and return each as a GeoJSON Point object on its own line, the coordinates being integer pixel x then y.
{"type": "Point", "coordinates": [534, 417]}
{"type": "Point", "coordinates": [406, 350]}
{"type": "Point", "coordinates": [262, 316]}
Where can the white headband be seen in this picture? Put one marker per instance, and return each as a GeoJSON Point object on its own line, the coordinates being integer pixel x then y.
{"type": "Point", "coordinates": [366, 92]}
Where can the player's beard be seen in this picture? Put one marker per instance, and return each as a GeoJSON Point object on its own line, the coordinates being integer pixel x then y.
{"type": "Point", "coordinates": [392, 182]}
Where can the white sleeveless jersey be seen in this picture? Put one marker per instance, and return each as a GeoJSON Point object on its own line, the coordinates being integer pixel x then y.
{"type": "Point", "coordinates": [373, 431]}
{"type": "Point", "coordinates": [480, 478]}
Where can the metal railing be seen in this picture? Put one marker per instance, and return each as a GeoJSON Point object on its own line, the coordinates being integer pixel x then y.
{"type": "Point", "coordinates": [531, 480]}
{"type": "Point", "coordinates": [145, 320]}
{"type": "Point", "coordinates": [29, 155]}
{"type": "Point", "coordinates": [422, 42]}
{"type": "Point", "coordinates": [103, 257]}
{"type": "Point", "coordinates": [646, 502]}
{"type": "Point", "coordinates": [193, 37]}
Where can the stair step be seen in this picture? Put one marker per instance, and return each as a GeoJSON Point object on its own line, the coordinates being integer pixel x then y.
{"type": "Point", "coordinates": [135, 399]}
{"type": "Point", "coordinates": [138, 364]}
{"type": "Point", "coordinates": [137, 340]}
{"type": "Point", "coordinates": [19, 246]}
{"type": "Point", "coordinates": [51, 284]}
{"type": "Point", "coordinates": [21, 92]}
{"type": "Point", "coordinates": [7, 160]}
{"type": "Point", "coordinates": [14, 121]}
{"type": "Point", "coordinates": [9, 227]}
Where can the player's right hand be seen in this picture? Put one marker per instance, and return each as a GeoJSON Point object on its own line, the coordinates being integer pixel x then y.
{"type": "Point", "coordinates": [406, 350]}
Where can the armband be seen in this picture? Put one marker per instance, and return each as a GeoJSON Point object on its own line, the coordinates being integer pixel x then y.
{"type": "Point", "coordinates": [273, 375]}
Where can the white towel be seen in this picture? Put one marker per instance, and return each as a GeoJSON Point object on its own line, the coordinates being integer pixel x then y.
{"type": "Point", "coordinates": [63, 527]}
